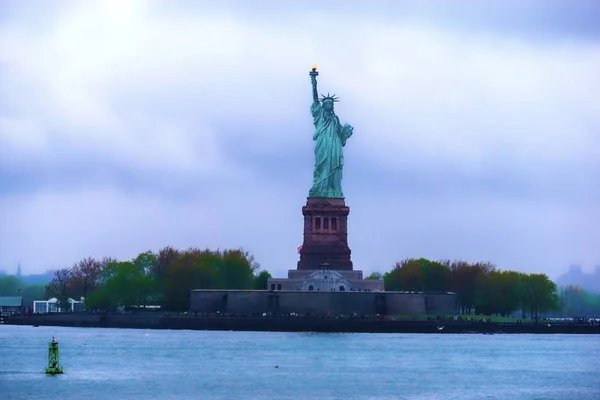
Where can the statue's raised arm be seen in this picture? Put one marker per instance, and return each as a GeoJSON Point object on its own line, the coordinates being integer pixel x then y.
{"type": "Point", "coordinates": [313, 79]}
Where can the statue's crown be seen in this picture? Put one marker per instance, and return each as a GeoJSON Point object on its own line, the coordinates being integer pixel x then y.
{"type": "Point", "coordinates": [329, 97]}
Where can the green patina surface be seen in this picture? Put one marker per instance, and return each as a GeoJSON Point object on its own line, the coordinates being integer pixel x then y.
{"type": "Point", "coordinates": [330, 138]}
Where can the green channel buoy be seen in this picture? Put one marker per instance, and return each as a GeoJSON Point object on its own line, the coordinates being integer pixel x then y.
{"type": "Point", "coordinates": [53, 367]}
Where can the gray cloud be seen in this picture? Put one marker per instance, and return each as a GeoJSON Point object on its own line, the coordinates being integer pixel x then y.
{"type": "Point", "coordinates": [527, 19]}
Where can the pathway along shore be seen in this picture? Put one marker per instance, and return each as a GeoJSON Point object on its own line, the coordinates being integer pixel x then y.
{"type": "Point", "coordinates": [297, 324]}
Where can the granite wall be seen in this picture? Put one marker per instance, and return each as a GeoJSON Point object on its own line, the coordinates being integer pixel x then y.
{"type": "Point", "coordinates": [315, 302]}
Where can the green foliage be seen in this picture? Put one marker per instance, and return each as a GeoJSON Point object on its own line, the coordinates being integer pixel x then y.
{"type": "Point", "coordinates": [207, 269]}
{"type": "Point", "coordinates": [164, 278]}
{"type": "Point", "coordinates": [435, 276]}
{"type": "Point", "coordinates": [31, 293]}
{"type": "Point", "coordinates": [195, 269]}
{"type": "Point", "coordinates": [102, 298]}
{"type": "Point", "coordinates": [145, 262]}
{"type": "Point", "coordinates": [165, 257]}
{"type": "Point", "coordinates": [237, 269]}
{"type": "Point", "coordinates": [574, 301]}
{"type": "Point", "coordinates": [406, 275]}
{"type": "Point", "coordinates": [539, 294]}
{"type": "Point", "coordinates": [480, 287]}
{"type": "Point", "coordinates": [375, 276]}
{"type": "Point", "coordinates": [498, 292]}
{"type": "Point", "coordinates": [10, 285]}
{"type": "Point", "coordinates": [261, 279]}
{"type": "Point", "coordinates": [465, 278]}
{"type": "Point", "coordinates": [125, 283]}
{"type": "Point", "coordinates": [418, 275]}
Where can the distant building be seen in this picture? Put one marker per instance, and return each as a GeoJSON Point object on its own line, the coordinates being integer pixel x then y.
{"type": "Point", "coordinates": [52, 306]}
{"type": "Point", "coordinates": [575, 270]}
{"type": "Point", "coordinates": [11, 305]}
{"type": "Point", "coordinates": [576, 277]}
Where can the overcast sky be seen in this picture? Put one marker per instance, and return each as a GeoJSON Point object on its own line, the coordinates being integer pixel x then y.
{"type": "Point", "coordinates": [128, 126]}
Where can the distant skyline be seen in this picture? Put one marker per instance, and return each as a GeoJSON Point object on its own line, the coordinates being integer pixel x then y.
{"type": "Point", "coordinates": [577, 276]}
{"type": "Point", "coordinates": [130, 126]}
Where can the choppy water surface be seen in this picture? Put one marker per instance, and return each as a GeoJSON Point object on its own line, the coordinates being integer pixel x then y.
{"type": "Point", "coordinates": [138, 364]}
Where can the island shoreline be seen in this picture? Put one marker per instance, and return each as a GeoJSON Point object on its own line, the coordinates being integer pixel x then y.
{"type": "Point", "coordinates": [298, 324]}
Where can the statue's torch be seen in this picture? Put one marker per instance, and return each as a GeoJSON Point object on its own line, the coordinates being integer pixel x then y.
{"type": "Point", "coordinates": [313, 80]}
{"type": "Point", "coordinates": [314, 73]}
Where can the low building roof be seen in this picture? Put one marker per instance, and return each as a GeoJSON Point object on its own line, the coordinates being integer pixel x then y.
{"type": "Point", "coordinates": [12, 301]}
{"type": "Point", "coordinates": [54, 300]}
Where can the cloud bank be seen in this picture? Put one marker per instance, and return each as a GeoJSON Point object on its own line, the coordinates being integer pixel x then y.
{"type": "Point", "coordinates": [127, 126]}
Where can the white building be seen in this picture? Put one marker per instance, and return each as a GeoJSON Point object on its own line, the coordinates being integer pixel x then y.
{"type": "Point", "coordinates": [51, 305]}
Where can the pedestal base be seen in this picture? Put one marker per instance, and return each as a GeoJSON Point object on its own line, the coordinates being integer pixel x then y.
{"type": "Point", "coordinates": [325, 244]}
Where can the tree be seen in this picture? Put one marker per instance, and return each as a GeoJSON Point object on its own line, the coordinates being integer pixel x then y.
{"type": "Point", "coordinates": [261, 279]}
{"type": "Point", "coordinates": [465, 277]}
{"type": "Point", "coordinates": [498, 292]}
{"type": "Point", "coordinates": [124, 284]}
{"type": "Point", "coordinates": [195, 269]}
{"type": "Point", "coordinates": [238, 269]}
{"type": "Point", "coordinates": [167, 278]}
{"type": "Point", "coordinates": [102, 298]}
{"type": "Point", "coordinates": [375, 276]}
{"type": "Point", "coordinates": [85, 276]}
{"type": "Point", "coordinates": [540, 294]}
{"type": "Point", "coordinates": [61, 286]}
{"type": "Point", "coordinates": [436, 277]}
{"type": "Point", "coordinates": [31, 293]}
{"type": "Point", "coordinates": [10, 285]}
{"type": "Point", "coordinates": [577, 302]}
{"type": "Point", "coordinates": [418, 275]}
{"type": "Point", "coordinates": [165, 258]}
{"type": "Point", "coordinates": [146, 262]}
{"type": "Point", "coordinates": [107, 260]}
{"type": "Point", "coordinates": [511, 292]}
{"type": "Point", "coordinates": [406, 275]}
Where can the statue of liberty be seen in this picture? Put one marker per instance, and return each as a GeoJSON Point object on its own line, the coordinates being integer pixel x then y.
{"type": "Point", "coordinates": [330, 136]}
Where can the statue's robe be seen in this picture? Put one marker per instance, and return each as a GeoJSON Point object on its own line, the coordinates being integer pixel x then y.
{"type": "Point", "coordinates": [330, 137]}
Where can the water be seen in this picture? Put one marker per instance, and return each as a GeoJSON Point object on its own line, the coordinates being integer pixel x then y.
{"type": "Point", "coordinates": [123, 364]}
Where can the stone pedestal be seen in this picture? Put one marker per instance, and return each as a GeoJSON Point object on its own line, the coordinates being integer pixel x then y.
{"type": "Point", "coordinates": [325, 244]}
